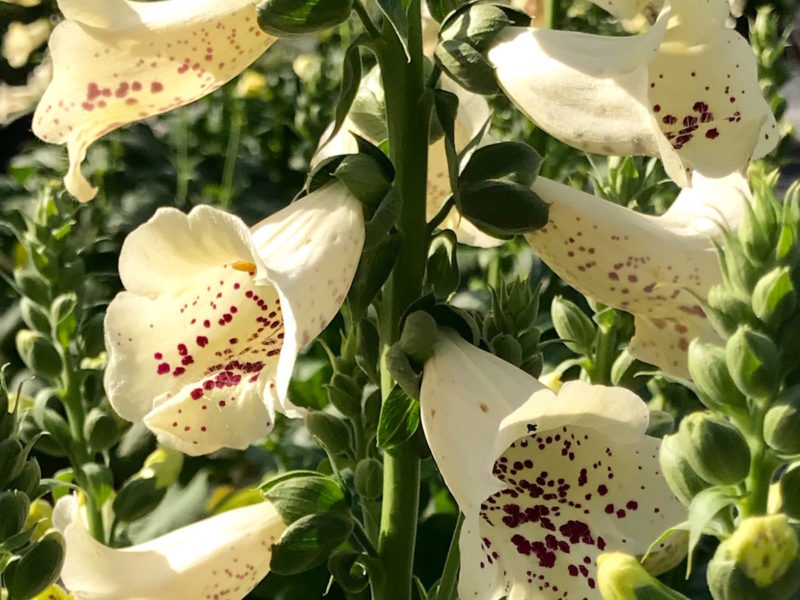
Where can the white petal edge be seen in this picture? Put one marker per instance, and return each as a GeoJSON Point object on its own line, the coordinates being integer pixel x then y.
{"type": "Point", "coordinates": [232, 549]}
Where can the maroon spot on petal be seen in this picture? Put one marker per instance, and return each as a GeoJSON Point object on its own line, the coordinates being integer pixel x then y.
{"type": "Point", "coordinates": [163, 368]}
{"type": "Point", "coordinates": [712, 134]}
{"type": "Point", "coordinates": [202, 340]}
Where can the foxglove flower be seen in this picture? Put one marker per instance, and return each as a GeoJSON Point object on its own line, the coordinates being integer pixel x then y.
{"type": "Point", "coordinates": [224, 556]}
{"type": "Point", "coordinates": [119, 61]}
{"type": "Point", "coordinates": [203, 341]}
{"type": "Point", "coordinates": [685, 91]}
{"type": "Point", "coordinates": [653, 267]}
{"type": "Point", "coordinates": [546, 482]}
{"type": "Point", "coordinates": [19, 100]}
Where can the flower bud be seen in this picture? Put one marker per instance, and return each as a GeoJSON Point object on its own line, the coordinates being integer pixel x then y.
{"type": "Point", "coordinates": [345, 394]}
{"type": "Point", "coordinates": [774, 297]}
{"type": "Point", "coordinates": [716, 450]}
{"type": "Point", "coordinates": [572, 326]}
{"type": "Point", "coordinates": [782, 422]}
{"type": "Point", "coordinates": [710, 374]}
{"type": "Point", "coordinates": [684, 482]}
{"type": "Point", "coordinates": [33, 285]}
{"type": "Point", "coordinates": [12, 460]}
{"type": "Point", "coordinates": [621, 577]}
{"type": "Point", "coordinates": [329, 430]}
{"type": "Point", "coordinates": [760, 560]}
{"type": "Point", "coordinates": [37, 569]}
{"type": "Point", "coordinates": [27, 481]}
{"type": "Point", "coordinates": [34, 316]}
{"type": "Point", "coordinates": [369, 479]}
{"type": "Point", "coordinates": [164, 465]}
{"type": "Point", "coordinates": [101, 430]}
{"type": "Point", "coordinates": [418, 336]}
{"type": "Point", "coordinates": [442, 274]}
{"type": "Point", "coordinates": [13, 513]}
{"type": "Point", "coordinates": [753, 362]}
{"type": "Point", "coordinates": [755, 235]}
{"type": "Point", "coordinates": [38, 353]}
{"type": "Point", "coordinates": [727, 311]}
{"type": "Point", "coordinates": [737, 269]}
{"type": "Point", "coordinates": [790, 491]}
{"type": "Point", "coordinates": [507, 347]}
{"type": "Point", "coordinates": [284, 18]}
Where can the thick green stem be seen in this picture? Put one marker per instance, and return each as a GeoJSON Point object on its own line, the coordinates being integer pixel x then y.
{"type": "Point", "coordinates": [407, 120]}
{"type": "Point", "coordinates": [604, 357]}
{"type": "Point", "coordinates": [762, 466]}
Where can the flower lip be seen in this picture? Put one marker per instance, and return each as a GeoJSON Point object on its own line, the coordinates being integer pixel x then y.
{"type": "Point", "coordinates": [119, 61]}
{"type": "Point", "coordinates": [230, 552]}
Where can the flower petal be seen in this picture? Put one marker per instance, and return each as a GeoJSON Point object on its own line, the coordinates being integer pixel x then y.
{"type": "Point", "coordinates": [465, 395]}
{"type": "Point", "coordinates": [194, 342]}
{"type": "Point", "coordinates": [227, 555]}
{"type": "Point", "coordinates": [119, 61]}
{"type": "Point", "coordinates": [705, 96]}
{"type": "Point", "coordinates": [589, 91]}
{"type": "Point", "coordinates": [653, 267]}
{"type": "Point", "coordinates": [311, 250]}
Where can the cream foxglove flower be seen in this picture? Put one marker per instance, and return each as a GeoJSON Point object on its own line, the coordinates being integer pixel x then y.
{"type": "Point", "coordinates": [21, 39]}
{"type": "Point", "coordinates": [119, 61]}
{"type": "Point", "coordinates": [203, 341]}
{"type": "Point", "coordinates": [653, 267]}
{"type": "Point", "coordinates": [685, 91]}
{"type": "Point", "coordinates": [224, 556]}
{"type": "Point", "coordinates": [546, 481]}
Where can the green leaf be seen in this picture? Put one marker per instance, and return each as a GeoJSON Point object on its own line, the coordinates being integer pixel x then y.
{"type": "Point", "coordinates": [704, 507]}
{"type": "Point", "coordinates": [368, 349]}
{"type": "Point", "coordinates": [331, 431]}
{"type": "Point", "coordinates": [284, 18]}
{"type": "Point", "coordinates": [351, 79]}
{"type": "Point", "coordinates": [445, 106]}
{"type": "Point", "coordinates": [37, 569]}
{"type": "Point", "coordinates": [308, 542]}
{"type": "Point", "coordinates": [399, 419]}
{"type": "Point", "coordinates": [364, 177]}
{"type": "Point", "coordinates": [396, 12]}
{"type": "Point", "coordinates": [509, 161]}
{"type": "Point", "coordinates": [137, 499]}
{"type": "Point", "coordinates": [439, 9]}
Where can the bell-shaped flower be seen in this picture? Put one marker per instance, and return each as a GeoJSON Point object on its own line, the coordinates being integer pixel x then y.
{"type": "Point", "coordinates": [203, 341]}
{"type": "Point", "coordinates": [119, 61]}
{"type": "Point", "coordinates": [685, 91]}
{"type": "Point", "coordinates": [546, 481]}
{"type": "Point", "coordinates": [224, 556]}
{"type": "Point", "coordinates": [653, 267]}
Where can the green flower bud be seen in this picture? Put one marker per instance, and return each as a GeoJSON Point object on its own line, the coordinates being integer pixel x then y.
{"type": "Point", "coordinates": [164, 465]}
{"type": "Point", "coordinates": [34, 316]}
{"type": "Point", "coordinates": [369, 479]}
{"type": "Point", "coordinates": [738, 271]}
{"type": "Point", "coordinates": [621, 577]}
{"type": "Point", "coordinates": [284, 18]}
{"type": "Point", "coordinates": [418, 336]}
{"type": "Point", "coordinates": [572, 325]}
{"type": "Point", "coordinates": [727, 311]}
{"type": "Point", "coordinates": [790, 491]}
{"type": "Point", "coordinates": [38, 353]}
{"type": "Point", "coordinates": [33, 285]}
{"type": "Point", "coordinates": [684, 482]}
{"type": "Point", "coordinates": [774, 297]}
{"type": "Point", "coordinates": [12, 460]}
{"type": "Point", "coordinates": [28, 479]}
{"type": "Point", "coordinates": [331, 431]}
{"type": "Point", "coordinates": [101, 430]}
{"type": "Point", "coordinates": [345, 394]}
{"type": "Point", "coordinates": [760, 560]}
{"type": "Point", "coordinates": [507, 347]}
{"type": "Point", "coordinates": [37, 569]}
{"type": "Point", "coordinates": [753, 362]}
{"type": "Point", "coordinates": [13, 513]}
{"type": "Point", "coordinates": [709, 371]}
{"type": "Point", "coordinates": [716, 450]}
{"type": "Point", "coordinates": [137, 499]}
{"type": "Point", "coordinates": [755, 235]}
{"type": "Point", "coordinates": [782, 422]}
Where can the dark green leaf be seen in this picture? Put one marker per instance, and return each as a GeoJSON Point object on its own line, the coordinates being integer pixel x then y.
{"type": "Point", "coordinates": [297, 497]}
{"type": "Point", "coordinates": [510, 161]}
{"type": "Point", "coordinates": [373, 270]}
{"type": "Point", "coordinates": [503, 209]}
{"type": "Point", "coordinates": [399, 419]}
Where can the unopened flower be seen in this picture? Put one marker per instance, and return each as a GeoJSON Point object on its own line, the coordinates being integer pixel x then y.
{"type": "Point", "coordinates": [546, 481]}
{"type": "Point", "coordinates": [686, 91]}
{"type": "Point", "coordinates": [225, 555]}
{"type": "Point", "coordinates": [203, 341]}
{"type": "Point", "coordinates": [116, 62]}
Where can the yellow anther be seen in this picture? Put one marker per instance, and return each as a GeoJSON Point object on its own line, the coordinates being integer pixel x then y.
{"type": "Point", "coordinates": [246, 266]}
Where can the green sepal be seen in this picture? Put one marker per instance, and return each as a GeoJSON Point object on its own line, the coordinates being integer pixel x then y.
{"type": "Point", "coordinates": [348, 572]}
{"type": "Point", "coordinates": [37, 569]}
{"type": "Point", "coordinates": [34, 316]}
{"type": "Point", "coordinates": [297, 497]}
{"type": "Point", "coordinates": [137, 499]}
{"type": "Point", "coordinates": [13, 513]}
{"type": "Point", "coordinates": [753, 362]}
{"type": "Point", "coordinates": [330, 431]}
{"type": "Point", "coordinates": [503, 209]}
{"type": "Point", "coordinates": [716, 388]}
{"type": "Point", "coordinates": [507, 161]}
{"type": "Point", "coordinates": [101, 430]}
{"type": "Point", "coordinates": [774, 297]}
{"type": "Point", "coordinates": [418, 336]}
{"type": "Point", "coordinates": [368, 478]}
{"type": "Point", "coordinates": [573, 326]}
{"type": "Point", "coordinates": [782, 422]}
{"type": "Point", "coordinates": [682, 479]}
{"type": "Point", "coordinates": [442, 275]}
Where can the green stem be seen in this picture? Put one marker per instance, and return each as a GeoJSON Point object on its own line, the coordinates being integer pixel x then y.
{"type": "Point", "coordinates": [404, 85]}
{"type": "Point", "coordinates": [362, 13]}
{"type": "Point", "coordinates": [231, 154]}
{"type": "Point", "coordinates": [761, 468]}
{"type": "Point", "coordinates": [182, 167]}
{"type": "Point", "coordinates": [604, 357]}
{"type": "Point", "coordinates": [447, 584]}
